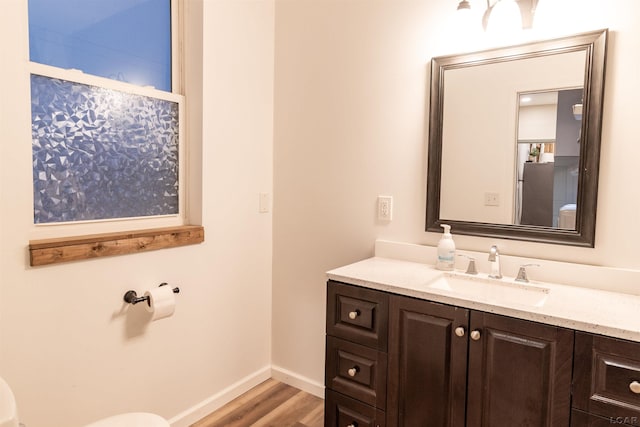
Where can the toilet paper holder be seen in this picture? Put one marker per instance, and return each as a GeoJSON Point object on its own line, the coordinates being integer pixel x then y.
{"type": "Point", "coordinates": [131, 297]}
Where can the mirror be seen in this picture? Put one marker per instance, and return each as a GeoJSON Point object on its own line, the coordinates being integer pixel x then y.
{"type": "Point", "coordinates": [514, 140]}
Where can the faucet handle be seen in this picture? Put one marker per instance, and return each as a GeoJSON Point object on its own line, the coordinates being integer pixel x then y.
{"type": "Point", "coordinates": [522, 272]}
{"type": "Point", "coordinates": [471, 268]}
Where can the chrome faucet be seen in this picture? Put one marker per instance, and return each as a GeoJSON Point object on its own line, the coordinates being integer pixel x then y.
{"type": "Point", "coordinates": [494, 259]}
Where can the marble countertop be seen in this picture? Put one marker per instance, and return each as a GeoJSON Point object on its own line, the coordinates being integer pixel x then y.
{"type": "Point", "coordinates": [591, 310]}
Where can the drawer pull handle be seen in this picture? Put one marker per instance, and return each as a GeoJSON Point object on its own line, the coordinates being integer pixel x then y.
{"type": "Point", "coordinates": [635, 387]}
{"type": "Point", "coordinates": [475, 335]}
{"type": "Point", "coordinates": [353, 371]}
{"type": "Point", "coordinates": [354, 314]}
{"type": "Point", "coordinates": [353, 425]}
{"type": "Point", "coordinates": [460, 331]}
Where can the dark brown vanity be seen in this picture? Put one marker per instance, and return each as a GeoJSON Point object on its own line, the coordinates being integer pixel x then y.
{"type": "Point", "coordinates": [394, 360]}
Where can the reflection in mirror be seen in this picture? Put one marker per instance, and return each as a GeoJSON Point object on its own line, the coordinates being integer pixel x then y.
{"type": "Point", "coordinates": [483, 150]}
{"type": "Point", "coordinates": [547, 157]}
{"type": "Point", "coordinates": [502, 166]}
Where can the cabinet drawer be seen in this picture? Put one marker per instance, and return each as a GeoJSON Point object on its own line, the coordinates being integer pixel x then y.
{"type": "Point", "coordinates": [357, 314]}
{"type": "Point", "coordinates": [357, 371]}
{"type": "Point", "coordinates": [343, 411]}
{"type": "Point", "coordinates": [607, 377]}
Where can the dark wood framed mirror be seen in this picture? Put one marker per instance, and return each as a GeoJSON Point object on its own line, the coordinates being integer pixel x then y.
{"type": "Point", "coordinates": [514, 140]}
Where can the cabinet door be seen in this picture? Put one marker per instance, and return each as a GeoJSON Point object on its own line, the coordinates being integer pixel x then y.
{"type": "Point", "coordinates": [519, 373]}
{"type": "Point", "coordinates": [427, 364]}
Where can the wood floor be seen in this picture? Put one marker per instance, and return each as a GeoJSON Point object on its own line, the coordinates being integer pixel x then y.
{"type": "Point", "coordinates": [270, 404]}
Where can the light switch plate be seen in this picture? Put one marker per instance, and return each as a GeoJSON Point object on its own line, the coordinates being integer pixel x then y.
{"type": "Point", "coordinates": [264, 203]}
{"type": "Point", "coordinates": [491, 199]}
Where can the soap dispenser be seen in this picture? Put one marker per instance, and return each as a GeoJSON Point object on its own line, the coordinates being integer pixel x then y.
{"type": "Point", "coordinates": [446, 250]}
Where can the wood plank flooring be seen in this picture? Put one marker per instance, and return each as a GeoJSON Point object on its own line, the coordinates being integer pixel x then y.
{"type": "Point", "coordinates": [270, 404]}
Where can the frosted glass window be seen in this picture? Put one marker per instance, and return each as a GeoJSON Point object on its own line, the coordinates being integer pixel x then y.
{"type": "Point", "coordinates": [126, 40]}
{"type": "Point", "coordinates": [100, 153]}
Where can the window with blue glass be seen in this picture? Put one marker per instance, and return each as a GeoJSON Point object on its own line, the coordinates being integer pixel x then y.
{"type": "Point", "coordinates": [102, 151]}
{"type": "Point", "coordinates": [126, 40]}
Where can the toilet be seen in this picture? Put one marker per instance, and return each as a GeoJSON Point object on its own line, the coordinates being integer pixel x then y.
{"type": "Point", "coordinates": [132, 419]}
{"type": "Point", "coordinates": [567, 217]}
{"type": "Point", "coordinates": [9, 414]}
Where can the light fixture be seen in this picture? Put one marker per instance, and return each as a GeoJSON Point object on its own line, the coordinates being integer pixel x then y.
{"type": "Point", "coordinates": [464, 5]}
{"type": "Point", "coordinates": [576, 109]}
{"type": "Point", "coordinates": [504, 15]}
{"type": "Point", "coordinates": [467, 24]}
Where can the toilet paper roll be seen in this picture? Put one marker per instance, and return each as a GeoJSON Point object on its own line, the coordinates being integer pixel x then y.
{"type": "Point", "coordinates": [162, 302]}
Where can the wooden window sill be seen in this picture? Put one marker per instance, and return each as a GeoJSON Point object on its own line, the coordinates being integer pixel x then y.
{"type": "Point", "coordinates": [64, 249]}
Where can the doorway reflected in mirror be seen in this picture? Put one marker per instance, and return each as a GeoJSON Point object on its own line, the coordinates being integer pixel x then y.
{"type": "Point", "coordinates": [548, 158]}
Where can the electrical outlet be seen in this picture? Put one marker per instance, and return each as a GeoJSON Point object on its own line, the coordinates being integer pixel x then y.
{"type": "Point", "coordinates": [492, 199]}
{"type": "Point", "coordinates": [385, 208]}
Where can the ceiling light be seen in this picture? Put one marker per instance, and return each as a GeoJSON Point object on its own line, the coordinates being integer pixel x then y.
{"type": "Point", "coordinates": [576, 109]}
{"type": "Point", "coordinates": [464, 5]}
{"type": "Point", "coordinates": [504, 15]}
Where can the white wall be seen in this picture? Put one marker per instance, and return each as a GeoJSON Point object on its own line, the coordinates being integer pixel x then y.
{"type": "Point", "coordinates": [68, 347]}
{"type": "Point", "coordinates": [351, 122]}
{"type": "Point", "coordinates": [537, 122]}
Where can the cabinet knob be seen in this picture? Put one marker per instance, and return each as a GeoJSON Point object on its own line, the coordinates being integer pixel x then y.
{"type": "Point", "coordinates": [353, 425]}
{"type": "Point", "coordinates": [460, 331]}
{"type": "Point", "coordinates": [354, 314]}
{"type": "Point", "coordinates": [635, 387]}
{"type": "Point", "coordinates": [353, 371]}
{"type": "Point", "coordinates": [475, 335]}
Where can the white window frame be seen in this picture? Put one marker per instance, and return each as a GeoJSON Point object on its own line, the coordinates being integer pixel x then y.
{"type": "Point", "coordinates": [61, 229]}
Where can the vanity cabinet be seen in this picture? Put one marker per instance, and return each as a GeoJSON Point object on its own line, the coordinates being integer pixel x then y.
{"type": "Point", "coordinates": [444, 365]}
{"type": "Point", "coordinates": [450, 366]}
{"type": "Point", "coordinates": [606, 381]}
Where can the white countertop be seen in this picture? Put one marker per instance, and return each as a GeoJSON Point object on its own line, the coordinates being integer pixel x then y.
{"type": "Point", "coordinates": [590, 310]}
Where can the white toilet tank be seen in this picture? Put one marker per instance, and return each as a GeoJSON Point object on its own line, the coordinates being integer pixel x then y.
{"type": "Point", "coordinates": [567, 217]}
{"type": "Point", "coordinates": [8, 409]}
{"type": "Point", "coordinates": [132, 419]}
{"type": "Point", "coordinates": [9, 414]}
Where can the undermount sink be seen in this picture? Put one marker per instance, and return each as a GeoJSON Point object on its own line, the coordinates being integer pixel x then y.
{"type": "Point", "coordinates": [491, 290]}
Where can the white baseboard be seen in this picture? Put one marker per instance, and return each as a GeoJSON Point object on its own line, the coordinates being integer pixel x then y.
{"type": "Point", "coordinates": [297, 381]}
{"type": "Point", "coordinates": [207, 406]}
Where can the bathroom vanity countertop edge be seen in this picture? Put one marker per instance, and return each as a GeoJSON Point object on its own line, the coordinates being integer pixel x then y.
{"type": "Point", "coordinates": [600, 312]}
